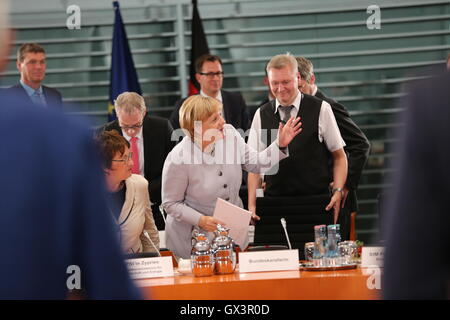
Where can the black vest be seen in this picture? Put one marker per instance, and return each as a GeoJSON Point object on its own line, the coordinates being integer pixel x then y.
{"type": "Point", "coordinates": [306, 170]}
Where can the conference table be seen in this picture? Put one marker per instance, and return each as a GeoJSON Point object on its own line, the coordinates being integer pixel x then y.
{"type": "Point", "coordinates": [354, 284]}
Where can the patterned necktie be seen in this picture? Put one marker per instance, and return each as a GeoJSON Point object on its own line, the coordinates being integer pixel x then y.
{"type": "Point", "coordinates": [135, 156]}
{"type": "Point", "coordinates": [286, 113]}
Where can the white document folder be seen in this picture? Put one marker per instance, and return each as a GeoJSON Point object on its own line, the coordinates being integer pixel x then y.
{"type": "Point", "coordinates": [236, 219]}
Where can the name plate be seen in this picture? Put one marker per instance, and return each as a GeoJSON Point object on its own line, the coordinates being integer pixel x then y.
{"type": "Point", "coordinates": [142, 268]}
{"type": "Point", "coordinates": [372, 256]}
{"type": "Point", "coordinates": [276, 260]}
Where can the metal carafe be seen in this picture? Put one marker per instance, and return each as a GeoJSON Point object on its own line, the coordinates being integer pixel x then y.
{"type": "Point", "coordinates": [224, 255]}
{"type": "Point", "coordinates": [202, 256]}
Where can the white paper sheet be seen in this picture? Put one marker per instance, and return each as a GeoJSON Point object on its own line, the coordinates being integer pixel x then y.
{"type": "Point", "coordinates": [236, 219]}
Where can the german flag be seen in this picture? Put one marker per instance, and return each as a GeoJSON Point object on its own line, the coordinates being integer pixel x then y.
{"type": "Point", "coordinates": [199, 47]}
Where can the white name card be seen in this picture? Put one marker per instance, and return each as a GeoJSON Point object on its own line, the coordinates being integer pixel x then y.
{"type": "Point", "coordinates": [276, 260]}
{"type": "Point", "coordinates": [372, 256]}
{"type": "Point", "coordinates": [150, 267]}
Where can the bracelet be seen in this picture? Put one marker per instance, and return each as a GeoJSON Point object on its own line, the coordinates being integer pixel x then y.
{"type": "Point", "coordinates": [341, 190]}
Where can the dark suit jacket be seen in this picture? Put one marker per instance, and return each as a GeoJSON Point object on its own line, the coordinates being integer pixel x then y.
{"type": "Point", "coordinates": [54, 212]}
{"type": "Point", "coordinates": [357, 145]}
{"type": "Point", "coordinates": [52, 96]}
{"type": "Point", "coordinates": [234, 108]}
{"type": "Point", "coordinates": [157, 134]}
{"type": "Point", "coordinates": [416, 218]}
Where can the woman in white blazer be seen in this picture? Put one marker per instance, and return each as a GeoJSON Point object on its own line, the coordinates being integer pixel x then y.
{"type": "Point", "coordinates": [129, 198]}
{"type": "Point", "coordinates": [207, 164]}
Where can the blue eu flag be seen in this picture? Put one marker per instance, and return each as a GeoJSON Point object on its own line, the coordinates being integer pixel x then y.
{"type": "Point", "coordinates": [123, 75]}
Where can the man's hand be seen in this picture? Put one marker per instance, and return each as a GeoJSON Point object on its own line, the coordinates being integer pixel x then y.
{"type": "Point", "coordinates": [344, 198]}
{"type": "Point", "coordinates": [335, 203]}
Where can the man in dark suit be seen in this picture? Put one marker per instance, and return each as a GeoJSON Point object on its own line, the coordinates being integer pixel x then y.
{"type": "Point", "coordinates": [416, 219]}
{"type": "Point", "coordinates": [150, 140]}
{"type": "Point", "coordinates": [210, 77]}
{"type": "Point", "coordinates": [357, 145]}
{"type": "Point", "coordinates": [31, 64]}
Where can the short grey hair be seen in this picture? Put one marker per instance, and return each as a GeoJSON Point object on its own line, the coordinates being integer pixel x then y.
{"type": "Point", "coordinates": [130, 102]}
{"type": "Point", "coordinates": [305, 68]}
{"type": "Point", "coordinates": [283, 60]}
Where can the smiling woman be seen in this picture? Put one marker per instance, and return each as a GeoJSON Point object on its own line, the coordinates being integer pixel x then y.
{"type": "Point", "coordinates": [193, 179]}
{"type": "Point", "coordinates": [129, 199]}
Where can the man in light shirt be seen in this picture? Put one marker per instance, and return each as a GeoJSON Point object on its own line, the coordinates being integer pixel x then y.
{"type": "Point", "coordinates": [306, 171]}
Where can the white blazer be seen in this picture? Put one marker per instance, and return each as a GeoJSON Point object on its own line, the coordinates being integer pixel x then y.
{"type": "Point", "coordinates": [136, 217]}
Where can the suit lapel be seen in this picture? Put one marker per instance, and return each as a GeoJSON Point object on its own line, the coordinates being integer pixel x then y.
{"type": "Point", "coordinates": [21, 91]}
{"type": "Point", "coordinates": [147, 136]}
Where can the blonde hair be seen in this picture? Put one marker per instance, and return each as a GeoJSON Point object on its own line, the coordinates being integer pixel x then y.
{"type": "Point", "coordinates": [130, 102]}
{"type": "Point", "coordinates": [283, 60]}
{"type": "Point", "coordinates": [197, 108]}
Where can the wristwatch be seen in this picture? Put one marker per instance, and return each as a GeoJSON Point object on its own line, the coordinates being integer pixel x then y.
{"type": "Point", "coordinates": [341, 190]}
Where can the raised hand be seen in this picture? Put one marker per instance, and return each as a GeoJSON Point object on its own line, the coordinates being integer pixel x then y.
{"type": "Point", "coordinates": [288, 131]}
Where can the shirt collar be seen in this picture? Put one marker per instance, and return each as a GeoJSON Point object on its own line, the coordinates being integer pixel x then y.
{"type": "Point", "coordinates": [218, 97]}
{"type": "Point", "coordinates": [29, 90]}
{"type": "Point", "coordinates": [139, 135]}
{"type": "Point", "coordinates": [296, 102]}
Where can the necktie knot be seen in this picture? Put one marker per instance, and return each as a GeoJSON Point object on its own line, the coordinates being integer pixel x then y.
{"type": "Point", "coordinates": [286, 112]}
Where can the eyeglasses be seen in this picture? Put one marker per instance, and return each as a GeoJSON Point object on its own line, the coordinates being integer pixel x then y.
{"type": "Point", "coordinates": [134, 127]}
{"type": "Point", "coordinates": [125, 158]}
{"type": "Point", "coordinates": [212, 74]}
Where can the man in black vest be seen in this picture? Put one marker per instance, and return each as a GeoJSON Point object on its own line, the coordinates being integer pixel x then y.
{"type": "Point", "coordinates": [31, 63]}
{"type": "Point", "coordinates": [357, 145]}
{"type": "Point", "coordinates": [210, 77]}
{"type": "Point", "coordinates": [306, 171]}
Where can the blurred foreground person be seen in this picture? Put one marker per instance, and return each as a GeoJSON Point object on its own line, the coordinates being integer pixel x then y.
{"type": "Point", "coordinates": [129, 199]}
{"type": "Point", "coordinates": [56, 231]}
{"type": "Point", "coordinates": [416, 219]}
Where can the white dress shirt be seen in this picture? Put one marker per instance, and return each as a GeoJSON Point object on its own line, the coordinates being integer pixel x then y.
{"type": "Point", "coordinates": [328, 128]}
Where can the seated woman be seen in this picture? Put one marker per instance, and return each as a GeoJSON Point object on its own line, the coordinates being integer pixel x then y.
{"type": "Point", "coordinates": [130, 201]}
{"type": "Point", "coordinates": [207, 164]}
